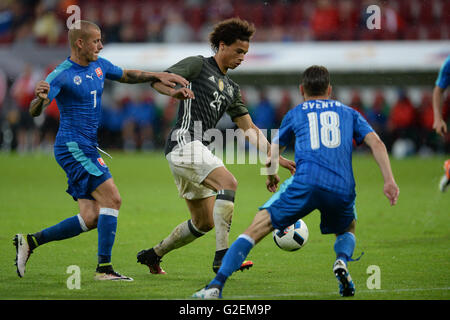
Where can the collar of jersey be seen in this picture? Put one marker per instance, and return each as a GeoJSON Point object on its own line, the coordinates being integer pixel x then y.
{"type": "Point", "coordinates": [78, 65]}
{"type": "Point", "coordinates": [214, 62]}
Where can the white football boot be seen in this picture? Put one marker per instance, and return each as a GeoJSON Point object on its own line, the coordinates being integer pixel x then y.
{"type": "Point", "coordinates": [208, 293]}
{"type": "Point", "coordinates": [23, 252]}
{"type": "Point", "coordinates": [346, 286]}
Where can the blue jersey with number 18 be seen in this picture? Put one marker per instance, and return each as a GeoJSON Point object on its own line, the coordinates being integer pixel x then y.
{"type": "Point", "coordinates": [324, 131]}
{"type": "Point", "coordinates": [78, 92]}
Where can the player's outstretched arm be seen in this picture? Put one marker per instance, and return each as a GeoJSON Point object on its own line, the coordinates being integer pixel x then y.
{"type": "Point", "coordinates": [390, 188]}
{"type": "Point", "coordinates": [138, 76]}
{"type": "Point", "coordinates": [41, 100]}
{"type": "Point", "coordinates": [438, 123]}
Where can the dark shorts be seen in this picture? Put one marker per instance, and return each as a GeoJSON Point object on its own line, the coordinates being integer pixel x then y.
{"type": "Point", "coordinates": [84, 167]}
{"type": "Point", "coordinates": [295, 200]}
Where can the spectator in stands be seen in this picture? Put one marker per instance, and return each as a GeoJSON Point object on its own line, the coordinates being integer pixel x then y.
{"type": "Point", "coordinates": [49, 128]}
{"type": "Point", "coordinates": [357, 103]}
{"type": "Point", "coordinates": [402, 122]}
{"type": "Point", "coordinates": [348, 20]}
{"type": "Point", "coordinates": [110, 132]}
{"type": "Point", "coordinates": [22, 93]}
{"type": "Point", "coordinates": [325, 20]}
{"type": "Point", "coordinates": [263, 114]}
{"type": "Point", "coordinates": [175, 29]}
{"type": "Point", "coordinates": [378, 115]}
{"type": "Point", "coordinates": [6, 23]}
{"type": "Point", "coordinates": [3, 89]}
{"type": "Point", "coordinates": [127, 33]}
{"type": "Point", "coordinates": [169, 117]}
{"type": "Point", "coordinates": [139, 123]}
{"type": "Point", "coordinates": [111, 25]}
{"type": "Point", "coordinates": [328, 19]}
{"type": "Point", "coordinates": [47, 27]}
{"type": "Point", "coordinates": [154, 29]}
{"type": "Point", "coordinates": [427, 136]}
{"type": "Point", "coordinates": [285, 105]}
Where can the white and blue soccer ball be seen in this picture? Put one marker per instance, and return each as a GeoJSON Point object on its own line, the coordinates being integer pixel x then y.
{"type": "Point", "coordinates": [293, 237]}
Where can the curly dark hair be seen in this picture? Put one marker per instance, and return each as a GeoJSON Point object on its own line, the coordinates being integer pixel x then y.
{"type": "Point", "coordinates": [229, 31]}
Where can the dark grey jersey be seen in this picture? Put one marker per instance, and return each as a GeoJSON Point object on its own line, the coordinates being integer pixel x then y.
{"type": "Point", "coordinates": [215, 94]}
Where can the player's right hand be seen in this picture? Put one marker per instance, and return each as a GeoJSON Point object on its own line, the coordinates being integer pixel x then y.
{"type": "Point", "coordinates": [42, 89]}
{"type": "Point", "coordinates": [391, 191]}
{"type": "Point", "coordinates": [272, 182]}
{"type": "Point", "coordinates": [440, 127]}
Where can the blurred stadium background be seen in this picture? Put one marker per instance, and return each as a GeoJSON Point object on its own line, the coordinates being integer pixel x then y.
{"type": "Point", "coordinates": [386, 74]}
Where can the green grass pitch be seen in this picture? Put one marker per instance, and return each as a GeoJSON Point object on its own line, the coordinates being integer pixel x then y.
{"type": "Point", "coordinates": [409, 243]}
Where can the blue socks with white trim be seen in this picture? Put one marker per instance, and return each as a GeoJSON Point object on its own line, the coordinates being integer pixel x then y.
{"type": "Point", "coordinates": [67, 228]}
{"type": "Point", "coordinates": [344, 246]}
{"type": "Point", "coordinates": [73, 226]}
{"type": "Point", "coordinates": [233, 259]}
{"type": "Point", "coordinates": [106, 227]}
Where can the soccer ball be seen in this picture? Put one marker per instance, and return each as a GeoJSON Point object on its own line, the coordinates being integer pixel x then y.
{"type": "Point", "coordinates": [293, 237]}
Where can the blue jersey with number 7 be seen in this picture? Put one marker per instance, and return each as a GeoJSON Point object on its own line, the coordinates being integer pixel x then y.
{"type": "Point", "coordinates": [324, 131]}
{"type": "Point", "coordinates": [78, 91]}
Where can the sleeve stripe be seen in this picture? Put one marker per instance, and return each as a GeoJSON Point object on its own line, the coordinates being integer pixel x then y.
{"type": "Point", "coordinates": [63, 66]}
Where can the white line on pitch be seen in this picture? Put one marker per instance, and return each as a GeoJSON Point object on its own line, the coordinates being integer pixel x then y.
{"type": "Point", "coordinates": [306, 294]}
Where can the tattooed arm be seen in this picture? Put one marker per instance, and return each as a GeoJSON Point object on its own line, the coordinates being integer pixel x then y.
{"type": "Point", "coordinates": [138, 76]}
{"type": "Point", "coordinates": [40, 101]}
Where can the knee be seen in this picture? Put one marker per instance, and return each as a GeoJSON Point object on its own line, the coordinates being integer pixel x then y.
{"type": "Point", "coordinates": [91, 221]}
{"type": "Point", "coordinates": [204, 225]}
{"type": "Point", "coordinates": [90, 218]}
{"type": "Point", "coordinates": [114, 202]}
{"type": "Point", "coordinates": [230, 184]}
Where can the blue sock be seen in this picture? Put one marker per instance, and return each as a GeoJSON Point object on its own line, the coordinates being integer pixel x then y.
{"type": "Point", "coordinates": [344, 246]}
{"type": "Point", "coordinates": [233, 259]}
{"type": "Point", "coordinates": [106, 227]}
{"type": "Point", "coordinates": [67, 228]}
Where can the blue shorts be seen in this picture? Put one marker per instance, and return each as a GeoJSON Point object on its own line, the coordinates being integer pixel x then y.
{"type": "Point", "coordinates": [295, 200]}
{"type": "Point", "coordinates": [84, 167]}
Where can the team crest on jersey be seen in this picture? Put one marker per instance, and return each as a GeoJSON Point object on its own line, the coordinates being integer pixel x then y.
{"type": "Point", "coordinates": [77, 80]}
{"type": "Point", "coordinates": [99, 72]}
{"type": "Point", "coordinates": [101, 162]}
{"type": "Point", "coordinates": [230, 91]}
{"type": "Point", "coordinates": [221, 85]}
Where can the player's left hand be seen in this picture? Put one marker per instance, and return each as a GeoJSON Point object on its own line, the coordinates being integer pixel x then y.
{"type": "Point", "coordinates": [288, 164]}
{"type": "Point", "coordinates": [171, 79]}
{"type": "Point", "coordinates": [272, 182]}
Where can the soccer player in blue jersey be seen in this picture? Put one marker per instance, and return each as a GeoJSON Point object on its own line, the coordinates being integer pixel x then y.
{"type": "Point", "coordinates": [324, 131]}
{"type": "Point", "coordinates": [442, 82]}
{"type": "Point", "coordinates": [77, 85]}
{"type": "Point", "coordinates": [439, 124]}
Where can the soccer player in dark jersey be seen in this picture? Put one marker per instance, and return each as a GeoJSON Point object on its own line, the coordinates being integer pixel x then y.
{"type": "Point", "coordinates": [206, 185]}
{"type": "Point", "coordinates": [77, 85]}
{"type": "Point", "coordinates": [324, 131]}
{"type": "Point", "coordinates": [439, 124]}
